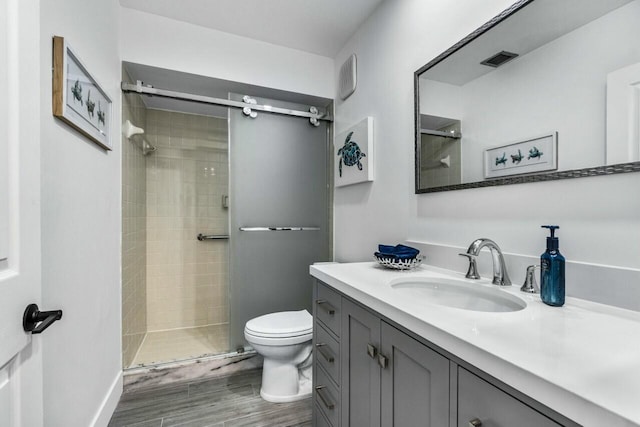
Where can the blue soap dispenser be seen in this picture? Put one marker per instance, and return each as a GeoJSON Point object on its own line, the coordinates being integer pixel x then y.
{"type": "Point", "coordinates": [552, 271]}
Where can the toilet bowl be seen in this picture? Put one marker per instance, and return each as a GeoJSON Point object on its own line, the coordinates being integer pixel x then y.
{"type": "Point", "coordinates": [283, 339]}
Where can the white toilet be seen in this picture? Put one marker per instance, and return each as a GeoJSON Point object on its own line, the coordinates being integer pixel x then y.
{"type": "Point", "coordinates": [283, 339]}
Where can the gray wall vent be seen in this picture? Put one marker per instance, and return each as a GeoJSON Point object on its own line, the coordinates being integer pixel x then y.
{"type": "Point", "coordinates": [348, 77]}
{"type": "Point", "coordinates": [499, 58]}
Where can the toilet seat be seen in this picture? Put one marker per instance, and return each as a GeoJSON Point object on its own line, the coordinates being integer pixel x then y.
{"type": "Point", "coordinates": [284, 324]}
{"type": "Point", "coordinates": [277, 341]}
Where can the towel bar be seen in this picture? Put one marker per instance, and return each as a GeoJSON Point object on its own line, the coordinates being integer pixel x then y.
{"type": "Point", "coordinates": [279, 228]}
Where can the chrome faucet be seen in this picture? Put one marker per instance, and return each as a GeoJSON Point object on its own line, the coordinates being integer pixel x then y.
{"type": "Point", "coordinates": [500, 276]}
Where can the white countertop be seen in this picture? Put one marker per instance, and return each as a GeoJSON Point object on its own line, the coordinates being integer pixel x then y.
{"type": "Point", "coordinates": [582, 360]}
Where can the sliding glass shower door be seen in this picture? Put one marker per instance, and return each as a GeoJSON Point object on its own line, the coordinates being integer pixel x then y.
{"type": "Point", "coordinates": [279, 212]}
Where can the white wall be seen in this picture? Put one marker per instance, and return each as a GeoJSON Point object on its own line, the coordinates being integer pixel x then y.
{"type": "Point", "coordinates": [162, 42]}
{"type": "Point", "coordinates": [600, 217]}
{"type": "Point", "coordinates": [81, 224]}
{"type": "Point", "coordinates": [398, 38]}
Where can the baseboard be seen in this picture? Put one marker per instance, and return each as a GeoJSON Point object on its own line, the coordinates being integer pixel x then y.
{"type": "Point", "coordinates": [109, 403]}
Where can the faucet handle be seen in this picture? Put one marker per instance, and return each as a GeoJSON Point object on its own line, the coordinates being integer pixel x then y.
{"type": "Point", "coordinates": [470, 256]}
{"type": "Point", "coordinates": [472, 272]}
{"type": "Point", "coordinates": [530, 286]}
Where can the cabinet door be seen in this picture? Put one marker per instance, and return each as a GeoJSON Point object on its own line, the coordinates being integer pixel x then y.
{"type": "Point", "coordinates": [360, 340]}
{"type": "Point", "coordinates": [414, 383]}
{"type": "Point", "coordinates": [478, 400]}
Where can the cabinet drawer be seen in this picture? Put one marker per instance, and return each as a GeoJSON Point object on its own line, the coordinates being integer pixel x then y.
{"type": "Point", "coordinates": [318, 419]}
{"type": "Point", "coordinates": [327, 353]}
{"type": "Point", "coordinates": [479, 400]}
{"type": "Point", "coordinates": [327, 397]}
{"type": "Point", "coordinates": [327, 307]}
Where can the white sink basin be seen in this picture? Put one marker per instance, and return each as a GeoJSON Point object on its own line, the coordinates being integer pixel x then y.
{"type": "Point", "coordinates": [458, 294]}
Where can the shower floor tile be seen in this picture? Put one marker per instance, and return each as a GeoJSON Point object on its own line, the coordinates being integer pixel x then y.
{"type": "Point", "coordinates": [181, 344]}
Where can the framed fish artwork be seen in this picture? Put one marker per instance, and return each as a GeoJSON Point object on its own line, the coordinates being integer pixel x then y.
{"type": "Point", "coordinates": [353, 154]}
{"type": "Point", "coordinates": [78, 99]}
{"type": "Point", "coordinates": [532, 155]}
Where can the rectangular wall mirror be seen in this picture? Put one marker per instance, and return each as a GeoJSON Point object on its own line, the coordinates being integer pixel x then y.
{"type": "Point", "coordinates": [546, 90]}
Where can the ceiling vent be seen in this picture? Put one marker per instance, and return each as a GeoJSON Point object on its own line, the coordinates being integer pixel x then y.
{"type": "Point", "coordinates": [348, 77]}
{"type": "Point", "coordinates": [499, 58]}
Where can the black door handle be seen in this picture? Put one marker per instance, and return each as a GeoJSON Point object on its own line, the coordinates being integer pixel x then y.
{"type": "Point", "coordinates": [36, 321]}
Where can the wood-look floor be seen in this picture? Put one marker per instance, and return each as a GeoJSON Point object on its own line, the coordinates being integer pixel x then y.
{"type": "Point", "coordinates": [219, 402]}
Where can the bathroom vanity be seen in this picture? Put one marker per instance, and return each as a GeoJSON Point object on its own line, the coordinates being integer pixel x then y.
{"type": "Point", "coordinates": [432, 348]}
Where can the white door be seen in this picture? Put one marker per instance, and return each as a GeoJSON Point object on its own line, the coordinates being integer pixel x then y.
{"type": "Point", "coordinates": [20, 359]}
{"type": "Point", "coordinates": [623, 115]}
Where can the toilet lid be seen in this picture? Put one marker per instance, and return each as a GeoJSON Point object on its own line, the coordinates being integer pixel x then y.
{"type": "Point", "coordinates": [281, 324]}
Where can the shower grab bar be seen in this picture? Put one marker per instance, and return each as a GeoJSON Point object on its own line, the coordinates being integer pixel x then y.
{"type": "Point", "coordinates": [203, 237]}
{"type": "Point", "coordinates": [279, 228]}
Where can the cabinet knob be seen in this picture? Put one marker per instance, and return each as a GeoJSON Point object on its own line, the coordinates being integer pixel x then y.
{"type": "Point", "coordinates": [475, 423]}
{"type": "Point", "coordinates": [372, 351]}
{"type": "Point", "coordinates": [383, 361]}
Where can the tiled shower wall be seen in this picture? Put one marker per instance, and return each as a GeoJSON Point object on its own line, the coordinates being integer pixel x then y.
{"type": "Point", "coordinates": [433, 173]}
{"type": "Point", "coordinates": [134, 232]}
{"type": "Point", "coordinates": [187, 178]}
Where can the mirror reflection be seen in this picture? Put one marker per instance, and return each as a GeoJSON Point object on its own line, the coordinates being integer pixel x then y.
{"type": "Point", "coordinates": [553, 87]}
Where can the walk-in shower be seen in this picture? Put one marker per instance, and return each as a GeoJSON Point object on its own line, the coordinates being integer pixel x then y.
{"type": "Point", "coordinates": [222, 220]}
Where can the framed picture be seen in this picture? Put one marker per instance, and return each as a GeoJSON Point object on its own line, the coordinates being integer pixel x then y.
{"type": "Point", "coordinates": [354, 154]}
{"type": "Point", "coordinates": [78, 99]}
{"type": "Point", "coordinates": [535, 154]}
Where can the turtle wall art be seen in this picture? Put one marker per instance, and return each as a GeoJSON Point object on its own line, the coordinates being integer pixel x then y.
{"type": "Point", "coordinates": [350, 154]}
{"type": "Point", "coordinates": [529, 155]}
{"type": "Point", "coordinates": [354, 154]}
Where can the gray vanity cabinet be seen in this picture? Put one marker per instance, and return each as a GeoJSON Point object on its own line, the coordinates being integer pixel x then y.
{"type": "Point", "coordinates": [368, 373]}
{"type": "Point", "coordinates": [389, 379]}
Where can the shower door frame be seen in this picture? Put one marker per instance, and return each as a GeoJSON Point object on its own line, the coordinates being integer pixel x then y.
{"type": "Point", "coordinates": [184, 96]}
